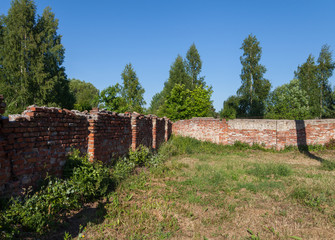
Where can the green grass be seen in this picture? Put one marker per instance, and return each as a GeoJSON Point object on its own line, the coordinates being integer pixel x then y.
{"type": "Point", "coordinates": [200, 190]}
{"type": "Point", "coordinates": [208, 191]}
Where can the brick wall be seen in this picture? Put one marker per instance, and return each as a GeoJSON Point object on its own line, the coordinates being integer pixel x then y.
{"type": "Point", "coordinates": [110, 135]}
{"type": "Point", "coordinates": [272, 133]}
{"type": "Point", "coordinates": [37, 141]}
{"type": "Point", "coordinates": [144, 130]}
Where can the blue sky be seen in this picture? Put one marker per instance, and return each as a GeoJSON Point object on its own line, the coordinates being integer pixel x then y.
{"type": "Point", "coordinates": [102, 36]}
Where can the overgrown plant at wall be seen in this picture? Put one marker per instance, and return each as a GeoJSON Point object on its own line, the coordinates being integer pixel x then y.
{"type": "Point", "coordinates": [37, 211]}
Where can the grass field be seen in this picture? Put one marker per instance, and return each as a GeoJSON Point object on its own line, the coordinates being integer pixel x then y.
{"type": "Point", "coordinates": [206, 191]}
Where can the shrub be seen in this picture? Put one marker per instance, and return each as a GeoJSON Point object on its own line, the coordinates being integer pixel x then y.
{"type": "Point", "coordinates": [139, 156]}
{"type": "Point", "coordinates": [122, 169]}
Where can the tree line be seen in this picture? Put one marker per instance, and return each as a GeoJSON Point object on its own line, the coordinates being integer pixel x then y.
{"type": "Point", "coordinates": [308, 95]}
{"type": "Point", "coordinates": [32, 72]}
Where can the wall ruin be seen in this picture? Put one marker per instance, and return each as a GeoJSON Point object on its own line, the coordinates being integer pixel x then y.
{"type": "Point", "coordinates": [271, 133]}
{"type": "Point", "coordinates": [36, 142]}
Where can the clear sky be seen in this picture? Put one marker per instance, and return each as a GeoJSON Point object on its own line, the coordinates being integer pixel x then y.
{"type": "Point", "coordinates": [102, 36]}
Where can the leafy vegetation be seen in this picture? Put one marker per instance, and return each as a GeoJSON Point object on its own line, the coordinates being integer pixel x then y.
{"type": "Point", "coordinates": [37, 211]}
{"type": "Point", "coordinates": [86, 95]}
{"type": "Point", "coordinates": [31, 58]}
{"type": "Point", "coordinates": [127, 97]}
{"type": "Point", "coordinates": [185, 94]}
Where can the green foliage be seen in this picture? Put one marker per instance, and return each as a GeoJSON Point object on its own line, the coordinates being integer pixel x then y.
{"type": "Point", "coordinates": [326, 66]}
{"type": "Point", "coordinates": [140, 155]}
{"type": "Point", "coordinates": [132, 90]}
{"type": "Point", "coordinates": [194, 65]}
{"type": "Point", "coordinates": [230, 108]}
{"type": "Point", "coordinates": [86, 95]}
{"type": "Point", "coordinates": [31, 58]}
{"type": "Point", "coordinates": [288, 101]}
{"type": "Point", "coordinates": [314, 80]}
{"type": "Point", "coordinates": [184, 103]}
{"type": "Point", "coordinates": [126, 98]}
{"type": "Point", "coordinates": [156, 102]}
{"type": "Point", "coordinates": [255, 88]}
{"type": "Point", "coordinates": [39, 211]}
{"type": "Point", "coordinates": [307, 76]}
{"type": "Point", "coordinates": [111, 99]}
{"type": "Point", "coordinates": [92, 180]}
{"type": "Point", "coordinates": [177, 75]}
{"type": "Point", "coordinates": [83, 181]}
{"type": "Point", "coordinates": [185, 73]}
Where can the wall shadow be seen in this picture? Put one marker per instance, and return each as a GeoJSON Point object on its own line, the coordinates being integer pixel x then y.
{"type": "Point", "coordinates": [302, 140]}
{"type": "Point", "coordinates": [74, 225]}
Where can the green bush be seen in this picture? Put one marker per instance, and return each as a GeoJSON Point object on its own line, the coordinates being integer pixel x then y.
{"type": "Point", "coordinates": [139, 156]}
{"type": "Point", "coordinates": [122, 169]}
{"type": "Point", "coordinates": [83, 181]}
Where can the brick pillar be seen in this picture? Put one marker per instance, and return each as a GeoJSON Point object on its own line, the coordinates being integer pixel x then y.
{"type": "Point", "coordinates": [93, 133]}
{"type": "Point", "coordinates": [154, 132]}
{"type": "Point", "coordinates": [134, 131]}
{"type": "Point", "coordinates": [2, 105]}
{"type": "Point", "coordinates": [5, 170]}
{"type": "Point", "coordinates": [166, 137]}
{"type": "Point", "coordinates": [223, 133]}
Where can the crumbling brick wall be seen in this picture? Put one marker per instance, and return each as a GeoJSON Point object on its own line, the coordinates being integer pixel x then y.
{"type": "Point", "coordinates": [37, 141]}
{"type": "Point", "coordinates": [271, 133]}
{"type": "Point", "coordinates": [144, 129]}
{"type": "Point", "coordinates": [110, 135]}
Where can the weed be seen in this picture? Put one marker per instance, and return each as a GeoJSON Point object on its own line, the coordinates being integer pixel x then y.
{"type": "Point", "coordinates": [267, 171]}
{"type": "Point", "coordinates": [328, 165]}
{"type": "Point", "coordinates": [308, 198]}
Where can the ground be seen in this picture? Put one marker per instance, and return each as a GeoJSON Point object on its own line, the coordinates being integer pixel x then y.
{"type": "Point", "coordinates": [245, 194]}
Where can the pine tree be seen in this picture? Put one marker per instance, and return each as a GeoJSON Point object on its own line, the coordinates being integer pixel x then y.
{"type": "Point", "coordinates": [177, 75]}
{"type": "Point", "coordinates": [31, 58]}
{"type": "Point", "coordinates": [255, 88]}
{"type": "Point", "coordinates": [307, 76]}
{"type": "Point", "coordinates": [325, 70]}
{"type": "Point", "coordinates": [132, 90]}
{"type": "Point", "coordinates": [17, 54]}
{"type": "Point", "coordinates": [194, 65]}
{"type": "Point", "coordinates": [50, 74]}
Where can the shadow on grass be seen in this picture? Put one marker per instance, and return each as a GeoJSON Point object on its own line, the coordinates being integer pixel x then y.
{"type": "Point", "coordinates": [303, 147]}
{"type": "Point", "coordinates": [75, 225]}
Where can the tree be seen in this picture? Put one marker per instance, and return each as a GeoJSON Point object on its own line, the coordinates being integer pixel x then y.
{"type": "Point", "coordinates": [288, 101]}
{"type": "Point", "coordinates": [184, 72]}
{"type": "Point", "coordinates": [111, 99]}
{"type": "Point", "coordinates": [86, 95]}
{"type": "Point", "coordinates": [177, 75]}
{"type": "Point", "coordinates": [324, 72]}
{"type": "Point", "coordinates": [17, 51]}
{"type": "Point", "coordinates": [156, 102]}
{"type": "Point", "coordinates": [184, 103]}
{"type": "Point", "coordinates": [50, 77]}
{"type": "Point", "coordinates": [132, 90]}
{"type": "Point", "coordinates": [31, 56]}
{"type": "Point", "coordinates": [308, 81]}
{"type": "Point", "coordinates": [193, 65]}
{"type": "Point", "coordinates": [254, 89]}
{"type": "Point", "coordinates": [230, 108]}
